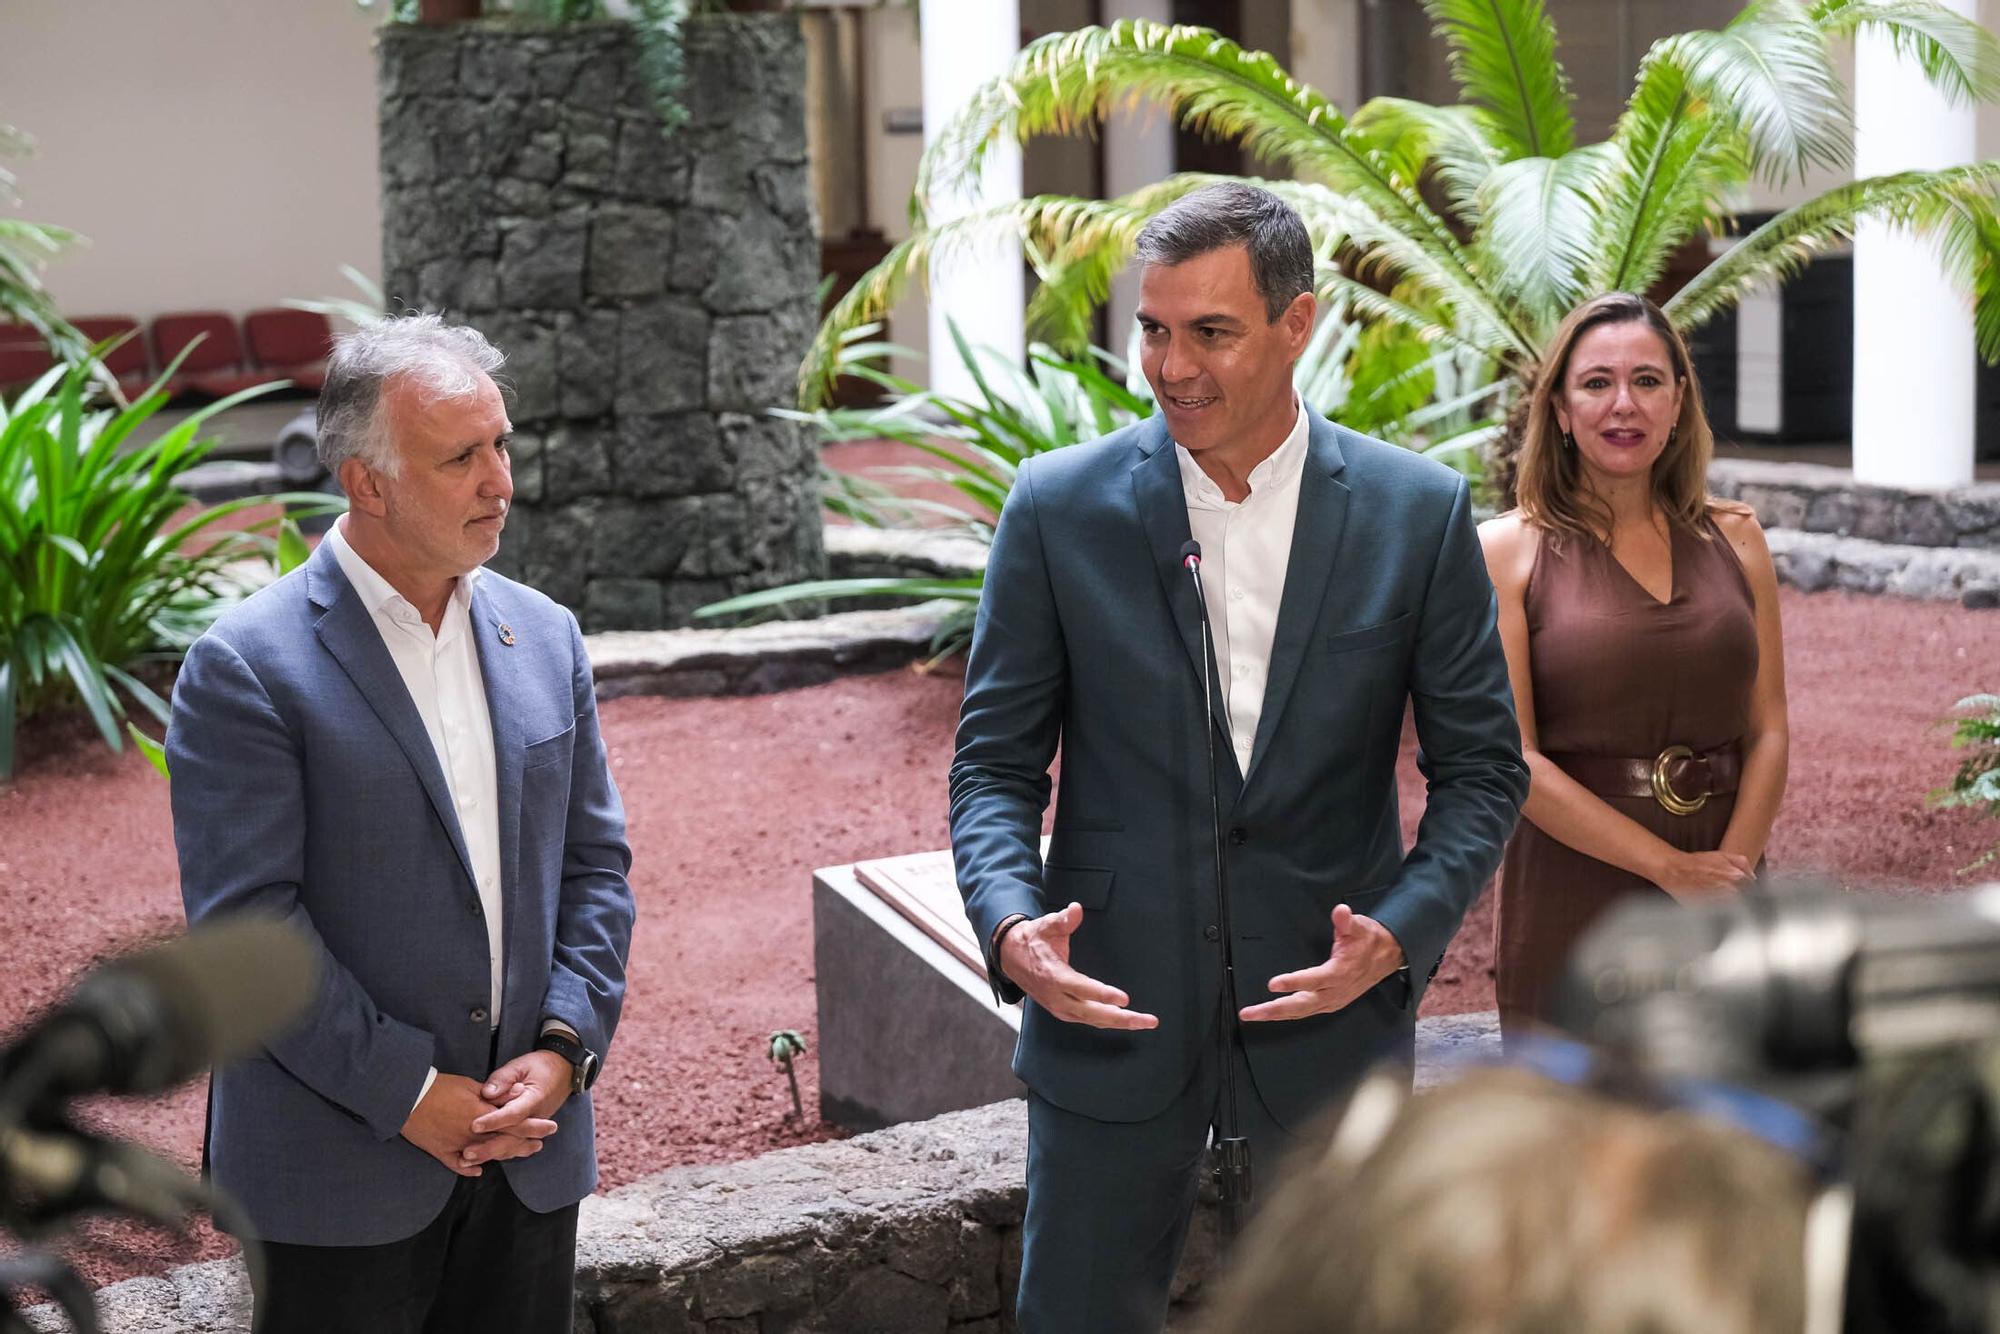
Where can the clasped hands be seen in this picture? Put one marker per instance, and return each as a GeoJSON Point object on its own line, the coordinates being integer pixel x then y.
{"type": "Point", "coordinates": [463, 1123]}
{"type": "Point", "coordinates": [1035, 956]}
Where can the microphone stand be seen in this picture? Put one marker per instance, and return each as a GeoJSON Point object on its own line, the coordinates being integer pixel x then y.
{"type": "Point", "coordinates": [1231, 1167]}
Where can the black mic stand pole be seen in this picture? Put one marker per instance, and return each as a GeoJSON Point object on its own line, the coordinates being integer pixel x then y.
{"type": "Point", "coordinates": [1232, 1151]}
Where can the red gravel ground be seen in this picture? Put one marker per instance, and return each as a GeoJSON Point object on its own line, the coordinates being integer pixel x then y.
{"type": "Point", "coordinates": [733, 802]}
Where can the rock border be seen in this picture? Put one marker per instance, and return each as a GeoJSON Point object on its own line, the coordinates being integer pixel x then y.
{"type": "Point", "coordinates": [911, 1230]}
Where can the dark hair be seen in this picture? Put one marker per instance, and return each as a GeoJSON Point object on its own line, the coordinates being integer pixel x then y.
{"type": "Point", "coordinates": [1281, 254]}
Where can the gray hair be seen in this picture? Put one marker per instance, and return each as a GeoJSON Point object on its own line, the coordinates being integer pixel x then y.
{"type": "Point", "coordinates": [446, 360]}
{"type": "Point", "coordinates": [1281, 254]}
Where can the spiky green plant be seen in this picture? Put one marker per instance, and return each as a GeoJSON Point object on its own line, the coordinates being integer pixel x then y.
{"type": "Point", "coordinates": [24, 248]}
{"type": "Point", "coordinates": [1527, 222]}
{"type": "Point", "coordinates": [1975, 730]}
{"type": "Point", "coordinates": [102, 564]}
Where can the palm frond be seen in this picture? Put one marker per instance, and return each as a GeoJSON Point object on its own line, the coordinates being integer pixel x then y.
{"type": "Point", "coordinates": [1067, 81]}
{"type": "Point", "coordinates": [1503, 58]}
{"type": "Point", "coordinates": [1959, 57]}
{"type": "Point", "coordinates": [1451, 141]}
{"type": "Point", "coordinates": [1055, 223]}
{"type": "Point", "coordinates": [1768, 73]}
{"type": "Point", "coordinates": [1675, 160]}
{"type": "Point", "coordinates": [1957, 207]}
{"type": "Point", "coordinates": [1540, 230]}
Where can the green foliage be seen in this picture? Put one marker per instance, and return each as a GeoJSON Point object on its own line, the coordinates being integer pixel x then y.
{"type": "Point", "coordinates": [24, 248]}
{"type": "Point", "coordinates": [1529, 222]}
{"type": "Point", "coordinates": [1378, 378]}
{"type": "Point", "coordinates": [366, 308]}
{"type": "Point", "coordinates": [102, 568]}
{"type": "Point", "coordinates": [1976, 784]}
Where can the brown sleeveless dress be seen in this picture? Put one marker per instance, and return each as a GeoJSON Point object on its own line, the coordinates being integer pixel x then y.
{"type": "Point", "coordinates": [1618, 673]}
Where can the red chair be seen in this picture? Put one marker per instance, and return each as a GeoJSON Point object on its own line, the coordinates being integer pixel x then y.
{"type": "Point", "coordinates": [128, 361]}
{"type": "Point", "coordinates": [23, 356]}
{"type": "Point", "coordinates": [293, 344]}
{"type": "Point", "coordinates": [215, 366]}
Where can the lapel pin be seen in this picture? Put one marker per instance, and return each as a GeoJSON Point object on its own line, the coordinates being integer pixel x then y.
{"type": "Point", "coordinates": [507, 634]}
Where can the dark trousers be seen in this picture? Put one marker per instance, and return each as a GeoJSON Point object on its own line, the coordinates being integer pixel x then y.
{"type": "Point", "coordinates": [487, 1264]}
{"type": "Point", "coordinates": [1109, 1203]}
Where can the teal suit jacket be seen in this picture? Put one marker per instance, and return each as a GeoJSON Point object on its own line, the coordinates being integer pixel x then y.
{"type": "Point", "coordinates": [1088, 642]}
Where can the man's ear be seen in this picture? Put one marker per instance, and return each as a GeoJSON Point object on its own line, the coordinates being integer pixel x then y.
{"type": "Point", "coordinates": [1298, 320]}
{"type": "Point", "coordinates": [363, 488]}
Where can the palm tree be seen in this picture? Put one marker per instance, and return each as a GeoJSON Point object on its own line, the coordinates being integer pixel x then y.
{"type": "Point", "coordinates": [1475, 227]}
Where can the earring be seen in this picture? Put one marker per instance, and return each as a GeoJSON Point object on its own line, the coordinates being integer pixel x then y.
{"type": "Point", "coordinates": [1672, 431]}
{"type": "Point", "coordinates": [1569, 441]}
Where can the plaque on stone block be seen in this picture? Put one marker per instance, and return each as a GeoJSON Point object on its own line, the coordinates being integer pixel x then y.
{"type": "Point", "coordinates": [923, 887]}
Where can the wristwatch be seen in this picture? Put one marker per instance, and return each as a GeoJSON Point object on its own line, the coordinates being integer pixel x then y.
{"type": "Point", "coordinates": [583, 1062]}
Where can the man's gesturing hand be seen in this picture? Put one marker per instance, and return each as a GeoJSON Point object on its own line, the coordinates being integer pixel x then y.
{"type": "Point", "coordinates": [1364, 952]}
{"type": "Point", "coordinates": [441, 1125]}
{"type": "Point", "coordinates": [1035, 955]}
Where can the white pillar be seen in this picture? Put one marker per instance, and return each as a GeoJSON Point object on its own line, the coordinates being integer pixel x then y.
{"type": "Point", "coordinates": [1913, 347]}
{"type": "Point", "coordinates": [966, 43]}
{"type": "Point", "coordinates": [1138, 151]}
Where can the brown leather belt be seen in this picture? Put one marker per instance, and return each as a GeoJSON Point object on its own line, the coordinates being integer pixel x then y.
{"type": "Point", "coordinates": [1680, 779]}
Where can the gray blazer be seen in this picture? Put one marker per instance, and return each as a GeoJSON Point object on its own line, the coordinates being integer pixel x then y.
{"type": "Point", "coordinates": [305, 788]}
{"type": "Point", "coordinates": [1088, 638]}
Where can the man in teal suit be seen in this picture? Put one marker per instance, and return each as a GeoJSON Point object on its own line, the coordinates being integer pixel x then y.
{"type": "Point", "coordinates": [1344, 582]}
{"type": "Point", "coordinates": [397, 752]}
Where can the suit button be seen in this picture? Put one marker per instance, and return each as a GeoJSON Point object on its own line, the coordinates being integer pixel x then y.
{"type": "Point", "coordinates": [1212, 932]}
{"type": "Point", "coordinates": [1238, 836]}
{"type": "Point", "coordinates": [477, 911]}
{"type": "Point", "coordinates": [478, 1015]}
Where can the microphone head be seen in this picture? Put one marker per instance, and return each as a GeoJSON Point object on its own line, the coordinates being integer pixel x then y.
{"type": "Point", "coordinates": [163, 1016]}
{"type": "Point", "coordinates": [1191, 555]}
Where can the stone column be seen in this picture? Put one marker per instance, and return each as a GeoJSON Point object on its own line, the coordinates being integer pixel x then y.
{"type": "Point", "coordinates": [1914, 397]}
{"type": "Point", "coordinates": [966, 43]}
{"type": "Point", "coordinates": [1138, 151]}
{"type": "Point", "coordinates": [653, 294]}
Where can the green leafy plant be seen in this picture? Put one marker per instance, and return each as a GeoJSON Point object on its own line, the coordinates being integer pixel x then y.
{"type": "Point", "coordinates": [1476, 226]}
{"type": "Point", "coordinates": [1976, 731]}
{"type": "Point", "coordinates": [1445, 402]}
{"type": "Point", "coordinates": [24, 248]}
{"type": "Point", "coordinates": [102, 566]}
{"type": "Point", "coordinates": [786, 1045]}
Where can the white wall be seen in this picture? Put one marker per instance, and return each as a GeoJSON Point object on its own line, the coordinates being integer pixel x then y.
{"type": "Point", "coordinates": [217, 153]}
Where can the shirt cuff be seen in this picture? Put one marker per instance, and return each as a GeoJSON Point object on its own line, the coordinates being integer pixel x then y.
{"type": "Point", "coordinates": [429, 1079]}
{"type": "Point", "coordinates": [557, 1026]}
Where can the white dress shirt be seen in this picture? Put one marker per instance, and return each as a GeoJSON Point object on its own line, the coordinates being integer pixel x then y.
{"type": "Point", "coordinates": [442, 674]}
{"type": "Point", "coordinates": [1246, 548]}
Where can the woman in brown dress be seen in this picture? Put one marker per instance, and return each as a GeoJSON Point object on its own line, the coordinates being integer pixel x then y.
{"type": "Point", "coordinates": [1640, 619]}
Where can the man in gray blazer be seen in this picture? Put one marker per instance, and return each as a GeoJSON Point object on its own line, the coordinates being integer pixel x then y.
{"type": "Point", "coordinates": [398, 753]}
{"type": "Point", "coordinates": [1344, 581]}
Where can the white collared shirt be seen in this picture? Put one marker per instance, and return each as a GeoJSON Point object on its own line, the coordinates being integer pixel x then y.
{"type": "Point", "coordinates": [442, 674]}
{"type": "Point", "coordinates": [1246, 548]}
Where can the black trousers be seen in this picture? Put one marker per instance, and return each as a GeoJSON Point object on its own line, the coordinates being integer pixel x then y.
{"type": "Point", "coordinates": [487, 1264]}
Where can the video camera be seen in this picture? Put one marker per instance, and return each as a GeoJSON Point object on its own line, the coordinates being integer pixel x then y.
{"type": "Point", "coordinates": [1877, 1019]}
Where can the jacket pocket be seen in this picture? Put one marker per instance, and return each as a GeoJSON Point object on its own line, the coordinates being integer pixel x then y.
{"type": "Point", "coordinates": [1089, 886]}
{"type": "Point", "coordinates": [1369, 636]}
{"type": "Point", "coordinates": [549, 749]}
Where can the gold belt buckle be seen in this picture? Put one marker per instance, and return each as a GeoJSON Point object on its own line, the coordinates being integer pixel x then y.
{"type": "Point", "coordinates": [1663, 786]}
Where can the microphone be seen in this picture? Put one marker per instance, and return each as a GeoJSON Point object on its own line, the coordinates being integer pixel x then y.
{"type": "Point", "coordinates": [163, 1016]}
{"type": "Point", "coordinates": [1232, 1168]}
